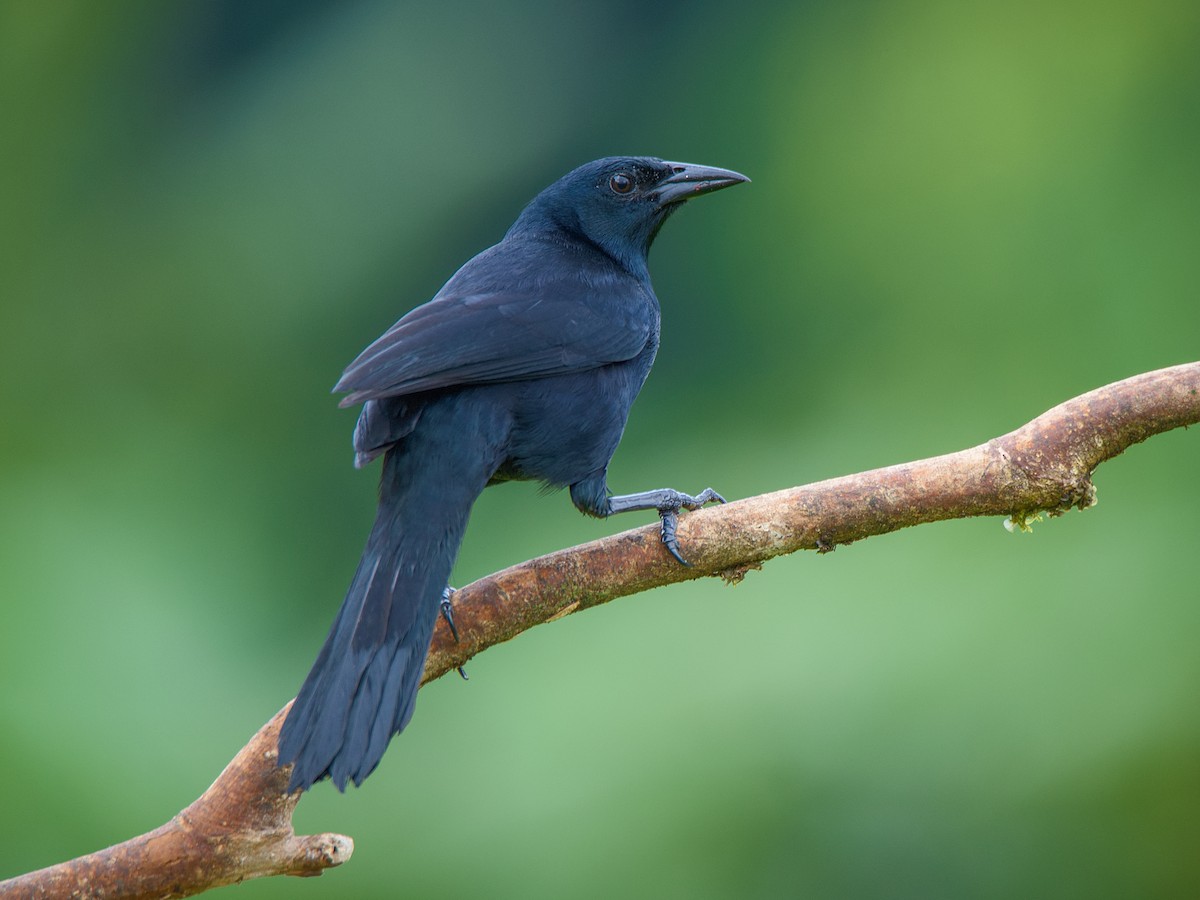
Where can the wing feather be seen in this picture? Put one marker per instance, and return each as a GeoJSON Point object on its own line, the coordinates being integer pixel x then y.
{"type": "Point", "coordinates": [491, 337]}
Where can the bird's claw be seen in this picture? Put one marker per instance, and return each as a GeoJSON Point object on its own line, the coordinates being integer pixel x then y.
{"type": "Point", "coordinates": [448, 611]}
{"type": "Point", "coordinates": [669, 512]}
{"type": "Point", "coordinates": [670, 519]}
{"type": "Point", "coordinates": [448, 615]}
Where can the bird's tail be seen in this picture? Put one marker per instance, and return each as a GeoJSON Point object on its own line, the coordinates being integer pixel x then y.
{"type": "Point", "coordinates": [362, 688]}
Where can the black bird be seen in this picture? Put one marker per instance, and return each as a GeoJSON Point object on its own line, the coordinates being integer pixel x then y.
{"type": "Point", "coordinates": [524, 366]}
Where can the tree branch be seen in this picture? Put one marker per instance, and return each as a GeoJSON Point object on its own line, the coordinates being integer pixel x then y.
{"type": "Point", "coordinates": [241, 827]}
{"type": "Point", "coordinates": [1044, 466]}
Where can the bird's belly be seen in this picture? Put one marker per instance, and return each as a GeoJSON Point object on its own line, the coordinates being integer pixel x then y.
{"type": "Point", "coordinates": [567, 427]}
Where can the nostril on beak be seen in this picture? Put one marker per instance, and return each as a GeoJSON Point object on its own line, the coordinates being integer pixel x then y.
{"type": "Point", "coordinates": [676, 169]}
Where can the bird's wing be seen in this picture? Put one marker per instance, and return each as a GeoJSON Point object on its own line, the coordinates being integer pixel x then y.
{"type": "Point", "coordinates": [491, 337]}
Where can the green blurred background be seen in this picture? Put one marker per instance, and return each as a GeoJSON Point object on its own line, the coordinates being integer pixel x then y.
{"type": "Point", "coordinates": [961, 215]}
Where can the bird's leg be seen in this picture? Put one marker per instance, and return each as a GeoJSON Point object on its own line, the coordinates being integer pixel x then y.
{"type": "Point", "coordinates": [448, 615]}
{"type": "Point", "coordinates": [667, 503]}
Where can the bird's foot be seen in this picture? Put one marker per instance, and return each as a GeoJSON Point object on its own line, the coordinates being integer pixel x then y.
{"type": "Point", "coordinates": [668, 511]}
{"type": "Point", "coordinates": [448, 615]}
{"type": "Point", "coordinates": [667, 503]}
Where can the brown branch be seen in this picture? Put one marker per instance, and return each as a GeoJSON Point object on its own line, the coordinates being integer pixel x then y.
{"type": "Point", "coordinates": [1044, 466]}
{"type": "Point", "coordinates": [241, 827]}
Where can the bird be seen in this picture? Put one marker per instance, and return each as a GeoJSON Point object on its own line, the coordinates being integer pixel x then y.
{"type": "Point", "coordinates": [523, 366]}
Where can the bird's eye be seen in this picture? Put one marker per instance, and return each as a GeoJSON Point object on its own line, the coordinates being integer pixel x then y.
{"type": "Point", "coordinates": [621, 183]}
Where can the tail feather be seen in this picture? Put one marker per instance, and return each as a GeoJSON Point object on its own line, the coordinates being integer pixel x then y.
{"type": "Point", "coordinates": [362, 688]}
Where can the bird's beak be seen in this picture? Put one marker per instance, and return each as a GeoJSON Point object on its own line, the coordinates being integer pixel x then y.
{"type": "Point", "coordinates": [688, 180]}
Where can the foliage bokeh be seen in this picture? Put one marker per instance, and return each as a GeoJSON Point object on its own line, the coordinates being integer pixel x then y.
{"type": "Point", "coordinates": [961, 214]}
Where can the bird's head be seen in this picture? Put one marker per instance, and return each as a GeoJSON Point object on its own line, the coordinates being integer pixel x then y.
{"type": "Point", "coordinates": [618, 203]}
